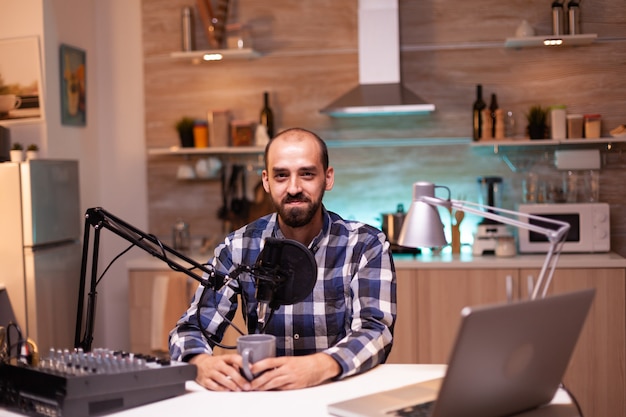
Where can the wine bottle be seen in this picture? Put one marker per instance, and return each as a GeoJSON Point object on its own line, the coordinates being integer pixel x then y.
{"type": "Point", "coordinates": [479, 106]}
{"type": "Point", "coordinates": [267, 116]}
{"type": "Point", "coordinates": [493, 106]}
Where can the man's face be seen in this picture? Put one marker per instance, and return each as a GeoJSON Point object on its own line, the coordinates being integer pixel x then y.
{"type": "Point", "coordinates": [295, 178]}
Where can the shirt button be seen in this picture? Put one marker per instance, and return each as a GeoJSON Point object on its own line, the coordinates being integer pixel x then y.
{"type": "Point", "coordinates": [296, 336]}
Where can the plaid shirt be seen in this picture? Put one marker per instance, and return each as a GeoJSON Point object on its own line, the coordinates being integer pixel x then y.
{"type": "Point", "coordinates": [349, 315]}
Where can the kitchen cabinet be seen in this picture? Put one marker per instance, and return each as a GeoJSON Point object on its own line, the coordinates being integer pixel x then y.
{"type": "Point", "coordinates": [157, 299]}
{"type": "Point", "coordinates": [434, 297]}
{"type": "Point", "coordinates": [405, 330]}
{"type": "Point", "coordinates": [596, 374]}
{"type": "Point", "coordinates": [443, 293]}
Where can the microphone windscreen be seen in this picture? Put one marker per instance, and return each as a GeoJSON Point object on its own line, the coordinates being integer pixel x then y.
{"type": "Point", "coordinates": [296, 266]}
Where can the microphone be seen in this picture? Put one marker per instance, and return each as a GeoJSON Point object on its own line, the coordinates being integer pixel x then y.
{"type": "Point", "coordinates": [275, 272]}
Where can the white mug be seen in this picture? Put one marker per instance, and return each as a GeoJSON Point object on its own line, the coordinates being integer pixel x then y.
{"type": "Point", "coordinates": [185, 172]}
{"type": "Point", "coordinates": [9, 102]}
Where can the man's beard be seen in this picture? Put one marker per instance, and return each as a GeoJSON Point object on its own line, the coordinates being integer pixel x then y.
{"type": "Point", "coordinates": [297, 216]}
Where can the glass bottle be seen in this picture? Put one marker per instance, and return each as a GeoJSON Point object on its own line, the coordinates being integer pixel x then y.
{"type": "Point", "coordinates": [573, 13]}
{"type": "Point", "coordinates": [187, 29]}
{"type": "Point", "coordinates": [267, 116]}
{"type": "Point", "coordinates": [479, 106]}
{"type": "Point", "coordinates": [558, 19]}
{"type": "Point", "coordinates": [493, 107]}
{"type": "Point", "coordinates": [181, 238]}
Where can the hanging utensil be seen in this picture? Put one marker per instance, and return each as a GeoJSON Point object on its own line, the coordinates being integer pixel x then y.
{"type": "Point", "coordinates": [213, 23]}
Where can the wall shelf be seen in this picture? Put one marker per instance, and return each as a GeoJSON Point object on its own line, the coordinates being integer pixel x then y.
{"type": "Point", "coordinates": [520, 155]}
{"type": "Point", "coordinates": [218, 150]}
{"type": "Point", "coordinates": [540, 41]}
{"type": "Point", "coordinates": [331, 144]}
{"type": "Point", "coordinates": [197, 57]}
{"type": "Point", "coordinates": [513, 42]}
{"type": "Point", "coordinates": [491, 145]}
{"type": "Point", "coordinates": [498, 145]}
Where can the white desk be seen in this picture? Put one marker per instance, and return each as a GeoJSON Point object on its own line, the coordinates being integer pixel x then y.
{"type": "Point", "coordinates": [310, 402]}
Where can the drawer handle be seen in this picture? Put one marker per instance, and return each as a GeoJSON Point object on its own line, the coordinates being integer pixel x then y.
{"type": "Point", "coordinates": [509, 288]}
{"type": "Point", "coordinates": [530, 281]}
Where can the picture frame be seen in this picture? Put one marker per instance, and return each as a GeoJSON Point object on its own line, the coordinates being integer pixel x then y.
{"type": "Point", "coordinates": [21, 80]}
{"type": "Point", "coordinates": [73, 77]}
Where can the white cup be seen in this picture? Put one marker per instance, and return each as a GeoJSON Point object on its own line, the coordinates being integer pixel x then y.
{"type": "Point", "coordinates": [185, 172]}
{"type": "Point", "coordinates": [9, 102]}
{"type": "Point", "coordinates": [202, 169]}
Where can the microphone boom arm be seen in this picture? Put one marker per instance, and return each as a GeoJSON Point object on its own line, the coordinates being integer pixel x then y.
{"type": "Point", "coordinates": [99, 218]}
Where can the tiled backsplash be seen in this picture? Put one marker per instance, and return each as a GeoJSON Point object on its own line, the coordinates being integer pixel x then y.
{"type": "Point", "coordinates": [371, 180]}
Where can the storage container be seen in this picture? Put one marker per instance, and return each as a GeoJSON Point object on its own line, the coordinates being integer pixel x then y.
{"type": "Point", "coordinates": [558, 123]}
{"type": "Point", "coordinates": [593, 123]}
{"type": "Point", "coordinates": [574, 126]}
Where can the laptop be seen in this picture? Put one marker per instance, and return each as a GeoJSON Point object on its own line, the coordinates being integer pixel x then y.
{"type": "Point", "coordinates": [507, 358]}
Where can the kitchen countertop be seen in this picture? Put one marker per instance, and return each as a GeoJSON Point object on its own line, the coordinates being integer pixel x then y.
{"type": "Point", "coordinates": [467, 260]}
{"type": "Point", "coordinates": [446, 261]}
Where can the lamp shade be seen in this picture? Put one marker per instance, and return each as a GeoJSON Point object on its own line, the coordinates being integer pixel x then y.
{"type": "Point", "coordinates": [422, 226]}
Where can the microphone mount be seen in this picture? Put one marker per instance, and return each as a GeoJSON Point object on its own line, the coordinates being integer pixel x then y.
{"type": "Point", "coordinates": [99, 219]}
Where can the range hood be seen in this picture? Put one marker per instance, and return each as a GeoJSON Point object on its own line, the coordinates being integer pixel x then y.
{"type": "Point", "coordinates": [380, 91]}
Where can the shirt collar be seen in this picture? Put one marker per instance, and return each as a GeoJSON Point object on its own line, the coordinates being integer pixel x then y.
{"type": "Point", "coordinates": [315, 243]}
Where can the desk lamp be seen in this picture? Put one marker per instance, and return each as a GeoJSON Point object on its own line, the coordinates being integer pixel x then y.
{"type": "Point", "coordinates": [422, 226]}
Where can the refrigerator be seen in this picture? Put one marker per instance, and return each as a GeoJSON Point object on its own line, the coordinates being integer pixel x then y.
{"type": "Point", "coordinates": [40, 250]}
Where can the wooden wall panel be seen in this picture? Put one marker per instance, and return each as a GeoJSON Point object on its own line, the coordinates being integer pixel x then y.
{"type": "Point", "coordinates": [310, 57]}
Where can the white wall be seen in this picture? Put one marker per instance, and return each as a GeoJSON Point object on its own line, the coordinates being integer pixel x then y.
{"type": "Point", "coordinates": [121, 150]}
{"type": "Point", "coordinates": [111, 147]}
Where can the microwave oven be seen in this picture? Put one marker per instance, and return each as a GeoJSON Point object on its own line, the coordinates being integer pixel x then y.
{"type": "Point", "coordinates": [589, 227]}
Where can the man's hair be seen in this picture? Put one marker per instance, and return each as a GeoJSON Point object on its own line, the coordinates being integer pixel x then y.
{"type": "Point", "coordinates": [320, 141]}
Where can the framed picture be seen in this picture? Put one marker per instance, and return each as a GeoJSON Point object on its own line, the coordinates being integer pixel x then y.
{"type": "Point", "coordinates": [73, 86]}
{"type": "Point", "coordinates": [20, 80]}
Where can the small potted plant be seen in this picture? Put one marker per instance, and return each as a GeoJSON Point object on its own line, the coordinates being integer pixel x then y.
{"type": "Point", "coordinates": [537, 118]}
{"type": "Point", "coordinates": [32, 152]}
{"type": "Point", "coordinates": [184, 127]}
{"type": "Point", "coordinates": [17, 152]}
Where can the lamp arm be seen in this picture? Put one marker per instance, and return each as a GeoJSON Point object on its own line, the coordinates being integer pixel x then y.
{"type": "Point", "coordinates": [555, 236]}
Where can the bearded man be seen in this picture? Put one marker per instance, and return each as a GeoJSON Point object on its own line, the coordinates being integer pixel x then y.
{"type": "Point", "coordinates": [344, 327]}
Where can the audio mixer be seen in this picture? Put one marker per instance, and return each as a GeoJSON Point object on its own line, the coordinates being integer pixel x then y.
{"type": "Point", "coordinates": [78, 384]}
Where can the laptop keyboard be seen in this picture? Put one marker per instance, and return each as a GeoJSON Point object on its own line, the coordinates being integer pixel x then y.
{"type": "Point", "coordinates": [417, 410]}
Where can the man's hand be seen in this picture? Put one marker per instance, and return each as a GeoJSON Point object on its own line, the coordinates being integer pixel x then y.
{"type": "Point", "coordinates": [293, 372]}
{"type": "Point", "coordinates": [220, 372]}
